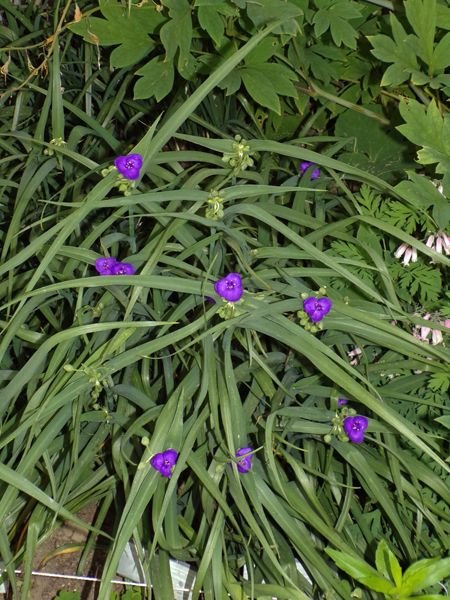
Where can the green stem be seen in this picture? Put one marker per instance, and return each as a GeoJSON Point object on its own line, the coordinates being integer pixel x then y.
{"type": "Point", "coordinates": [346, 103]}
{"type": "Point", "coordinates": [383, 3]}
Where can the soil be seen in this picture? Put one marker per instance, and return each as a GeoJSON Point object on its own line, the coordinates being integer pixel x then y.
{"type": "Point", "coordinates": [59, 554]}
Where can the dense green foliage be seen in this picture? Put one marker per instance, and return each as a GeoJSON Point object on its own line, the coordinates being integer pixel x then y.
{"type": "Point", "coordinates": [99, 373]}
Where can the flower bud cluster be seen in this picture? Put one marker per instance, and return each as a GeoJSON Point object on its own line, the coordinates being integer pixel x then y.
{"type": "Point", "coordinates": [240, 157]}
{"type": "Point", "coordinates": [214, 210]}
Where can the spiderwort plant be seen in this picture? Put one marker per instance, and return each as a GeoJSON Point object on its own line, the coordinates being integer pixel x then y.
{"type": "Point", "coordinates": [165, 462]}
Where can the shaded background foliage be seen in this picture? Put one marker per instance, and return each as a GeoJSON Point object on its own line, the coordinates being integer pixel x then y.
{"type": "Point", "coordinates": [92, 367]}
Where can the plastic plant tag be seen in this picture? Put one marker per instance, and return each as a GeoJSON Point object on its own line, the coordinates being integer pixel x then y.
{"type": "Point", "coordinates": [183, 576]}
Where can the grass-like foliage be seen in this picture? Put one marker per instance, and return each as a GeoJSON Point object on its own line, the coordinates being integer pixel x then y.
{"type": "Point", "coordinates": [312, 433]}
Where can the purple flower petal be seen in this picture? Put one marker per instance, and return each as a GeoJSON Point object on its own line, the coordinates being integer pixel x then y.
{"type": "Point", "coordinates": [230, 287]}
{"type": "Point", "coordinates": [342, 401]}
{"type": "Point", "coordinates": [123, 268]}
{"type": "Point", "coordinates": [157, 461]}
{"type": "Point", "coordinates": [355, 428]}
{"type": "Point", "coordinates": [105, 264]}
{"type": "Point", "coordinates": [129, 166]}
{"type": "Point", "coordinates": [244, 464]}
{"type": "Point", "coordinates": [164, 462]}
{"type": "Point", "coordinates": [171, 456]}
{"type": "Point", "coordinates": [317, 308]}
{"type": "Point", "coordinates": [305, 165]}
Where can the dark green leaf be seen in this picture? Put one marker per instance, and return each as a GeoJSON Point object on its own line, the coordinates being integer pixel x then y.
{"type": "Point", "coordinates": [321, 22]}
{"type": "Point", "coordinates": [265, 50]}
{"type": "Point", "coordinates": [394, 75]}
{"type": "Point", "coordinates": [260, 88]}
{"type": "Point", "coordinates": [420, 191]}
{"type": "Point", "coordinates": [212, 22]}
{"type": "Point", "coordinates": [426, 127]}
{"type": "Point", "coordinates": [422, 16]}
{"type": "Point", "coordinates": [343, 33]}
{"type": "Point", "coordinates": [441, 55]}
{"type": "Point", "coordinates": [401, 51]}
{"type": "Point", "coordinates": [128, 29]}
{"type": "Point", "coordinates": [266, 11]}
{"type": "Point", "coordinates": [176, 34]}
{"type": "Point", "coordinates": [231, 83]}
{"type": "Point", "coordinates": [377, 148]}
{"type": "Point", "coordinates": [156, 80]}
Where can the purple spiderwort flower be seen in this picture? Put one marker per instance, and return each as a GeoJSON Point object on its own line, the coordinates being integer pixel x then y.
{"type": "Point", "coordinates": [230, 287]}
{"type": "Point", "coordinates": [355, 428]}
{"type": "Point", "coordinates": [165, 462]}
{"type": "Point", "coordinates": [123, 268]}
{"type": "Point", "coordinates": [317, 308]}
{"type": "Point", "coordinates": [129, 166]}
{"type": "Point", "coordinates": [105, 264]}
{"type": "Point", "coordinates": [244, 465]}
{"type": "Point", "coordinates": [108, 265]}
{"type": "Point", "coordinates": [305, 165]}
{"type": "Point", "coordinates": [342, 402]}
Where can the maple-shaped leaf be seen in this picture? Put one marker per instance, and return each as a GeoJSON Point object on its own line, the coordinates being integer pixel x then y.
{"type": "Point", "coordinates": [156, 79]}
{"type": "Point", "coordinates": [129, 28]}
{"type": "Point", "coordinates": [176, 34]}
{"type": "Point", "coordinates": [335, 16]}
{"type": "Point", "coordinates": [426, 127]}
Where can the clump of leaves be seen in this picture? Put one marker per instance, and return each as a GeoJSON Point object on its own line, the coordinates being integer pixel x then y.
{"type": "Point", "coordinates": [388, 577]}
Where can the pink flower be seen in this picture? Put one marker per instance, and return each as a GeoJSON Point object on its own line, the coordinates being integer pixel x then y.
{"type": "Point", "coordinates": [354, 355]}
{"type": "Point", "coordinates": [440, 242]}
{"type": "Point", "coordinates": [408, 252]}
{"type": "Point", "coordinates": [422, 332]}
